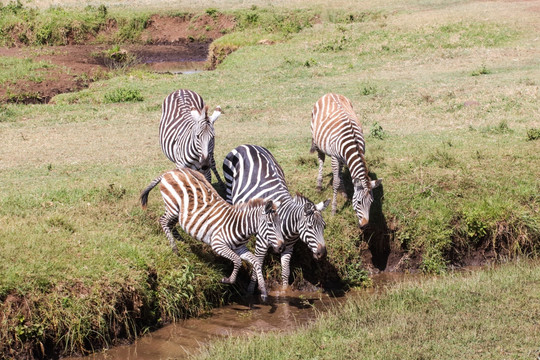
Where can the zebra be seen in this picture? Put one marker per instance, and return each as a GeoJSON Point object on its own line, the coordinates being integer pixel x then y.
{"type": "Point", "coordinates": [336, 131]}
{"type": "Point", "coordinates": [186, 132]}
{"type": "Point", "coordinates": [251, 171]}
{"type": "Point", "coordinates": [192, 202]}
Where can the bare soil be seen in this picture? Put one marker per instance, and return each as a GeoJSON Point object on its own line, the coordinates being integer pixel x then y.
{"type": "Point", "coordinates": [178, 43]}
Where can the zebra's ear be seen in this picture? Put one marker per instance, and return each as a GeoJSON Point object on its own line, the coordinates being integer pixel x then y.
{"type": "Point", "coordinates": [322, 205]}
{"type": "Point", "coordinates": [357, 183]}
{"type": "Point", "coordinates": [268, 207]}
{"type": "Point", "coordinates": [195, 113]}
{"type": "Point", "coordinates": [375, 183]}
{"type": "Point", "coordinates": [217, 112]}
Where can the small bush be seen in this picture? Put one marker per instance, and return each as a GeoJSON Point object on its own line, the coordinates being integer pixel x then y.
{"type": "Point", "coordinates": [368, 89]}
{"type": "Point", "coordinates": [501, 128]}
{"type": "Point", "coordinates": [533, 134]}
{"type": "Point", "coordinates": [123, 95]}
{"type": "Point", "coordinates": [377, 131]}
{"type": "Point", "coordinates": [482, 71]}
{"type": "Point", "coordinates": [335, 45]}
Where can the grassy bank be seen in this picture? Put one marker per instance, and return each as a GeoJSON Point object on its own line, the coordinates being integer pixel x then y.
{"type": "Point", "coordinates": [448, 97]}
{"type": "Point", "coordinates": [489, 314]}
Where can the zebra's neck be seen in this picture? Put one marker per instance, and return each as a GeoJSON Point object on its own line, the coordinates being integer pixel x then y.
{"type": "Point", "coordinates": [291, 212]}
{"type": "Point", "coordinates": [246, 215]}
{"type": "Point", "coordinates": [358, 168]}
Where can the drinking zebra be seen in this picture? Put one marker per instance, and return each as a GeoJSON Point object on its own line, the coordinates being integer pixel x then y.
{"type": "Point", "coordinates": [336, 132]}
{"type": "Point", "coordinates": [186, 132]}
{"type": "Point", "coordinates": [251, 171]}
{"type": "Point", "coordinates": [192, 202]}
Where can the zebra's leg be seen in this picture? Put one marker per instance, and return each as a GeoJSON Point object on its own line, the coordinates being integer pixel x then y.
{"type": "Point", "coordinates": [321, 157]}
{"type": "Point", "coordinates": [221, 249]}
{"type": "Point", "coordinates": [246, 255]}
{"type": "Point", "coordinates": [341, 182]}
{"type": "Point", "coordinates": [207, 175]}
{"type": "Point", "coordinates": [286, 266]}
{"type": "Point", "coordinates": [168, 221]}
{"type": "Point", "coordinates": [336, 182]}
{"type": "Point", "coordinates": [260, 252]}
{"type": "Point", "coordinates": [214, 170]}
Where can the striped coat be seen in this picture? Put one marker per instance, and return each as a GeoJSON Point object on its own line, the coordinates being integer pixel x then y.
{"type": "Point", "coordinates": [336, 132]}
{"type": "Point", "coordinates": [186, 132]}
{"type": "Point", "coordinates": [252, 171]}
{"type": "Point", "coordinates": [192, 202]}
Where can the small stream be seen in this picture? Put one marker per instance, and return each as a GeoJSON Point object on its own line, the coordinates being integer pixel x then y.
{"type": "Point", "coordinates": [284, 311]}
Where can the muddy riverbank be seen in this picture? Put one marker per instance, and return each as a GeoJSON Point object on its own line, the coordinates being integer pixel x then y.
{"type": "Point", "coordinates": [284, 311]}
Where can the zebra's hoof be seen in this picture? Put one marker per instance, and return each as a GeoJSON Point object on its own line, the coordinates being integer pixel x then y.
{"type": "Point", "coordinates": [226, 280]}
{"type": "Point", "coordinates": [264, 298]}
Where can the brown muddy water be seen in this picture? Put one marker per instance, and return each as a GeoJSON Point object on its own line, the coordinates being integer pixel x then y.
{"type": "Point", "coordinates": [284, 311]}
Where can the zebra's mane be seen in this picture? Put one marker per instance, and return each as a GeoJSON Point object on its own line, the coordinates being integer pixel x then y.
{"type": "Point", "coordinates": [250, 204]}
{"type": "Point", "coordinates": [301, 199]}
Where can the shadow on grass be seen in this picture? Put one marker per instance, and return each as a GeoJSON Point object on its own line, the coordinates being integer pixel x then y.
{"type": "Point", "coordinates": [376, 233]}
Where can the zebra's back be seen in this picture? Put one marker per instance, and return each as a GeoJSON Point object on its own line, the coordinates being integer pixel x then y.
{"type": "Point", "coordinates": [336, 131]}
{"type": "Point", "coordinates": [335, 126]}
{"type": "Point", "coordinates": [251, 171]}
{"type": "Point", "coordinates": [200, 208]}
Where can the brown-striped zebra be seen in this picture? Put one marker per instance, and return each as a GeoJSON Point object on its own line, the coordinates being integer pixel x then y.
{"type": "Point", "coordinates": [192, 202]}
{"type": "Point", "coordinates": [336, 131]}
{"type": "Point", "coordinates": [186, 132]}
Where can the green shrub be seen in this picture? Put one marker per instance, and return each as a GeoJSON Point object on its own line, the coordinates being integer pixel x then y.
{"type": "Point", "coordinates": [123, 95]}
{"type": "Point", "coordinates": [377, 131]}
{"type": "Point", "coordinates": [533, 134]}
{"type": "Point", "coordinates": [483, 70]}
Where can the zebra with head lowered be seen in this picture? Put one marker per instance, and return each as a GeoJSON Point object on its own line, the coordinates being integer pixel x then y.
{"type": "Point", "coordinates": [192, 202]}
{"type": "Point", "coordinates": [336, 132]}
{"type": "Point", "coordinates": [252, 171]}
{"type": "Point", "coordinates": [186, 132]}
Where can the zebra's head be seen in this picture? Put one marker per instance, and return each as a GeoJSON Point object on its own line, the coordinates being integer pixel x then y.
{"type": "Point", "coordinates": [269, 227]}
{"type": "Point", "coordinates": [362, 199]}
{"type": "Point", "coordinates": [203, 132]}
{"type": "Point", "coordinates": [312, 228]}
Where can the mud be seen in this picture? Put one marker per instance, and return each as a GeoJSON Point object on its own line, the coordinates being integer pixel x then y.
{"type": "Point", "coordinates": [285, 311]}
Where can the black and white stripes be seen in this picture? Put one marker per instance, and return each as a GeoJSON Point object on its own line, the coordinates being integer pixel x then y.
{"type": "Point", "coordinates": [336, 132]}
{"type": "Point", "coordinates": [186, 132]}
{"type": "Point", "coordinates": [252, 172]}
{"type": "Point", "coordinates": [193, 203]}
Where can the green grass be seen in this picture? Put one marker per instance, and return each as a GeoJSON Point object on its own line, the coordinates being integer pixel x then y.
{"type": "Point", "coordinates": [82, 263]}
{"type": "Point", "coordinates": [489, 314]}
{"type": "Point", "coordinates": [13, 70]}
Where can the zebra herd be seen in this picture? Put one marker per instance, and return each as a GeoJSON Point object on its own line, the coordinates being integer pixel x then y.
{"type": "Point", "coordinates": [258, 201]}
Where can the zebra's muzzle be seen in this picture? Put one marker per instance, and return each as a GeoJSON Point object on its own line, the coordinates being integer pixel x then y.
{"type": "Point", "coordinates": [320, 253]}
{"type": "Point", "coordinates": [205, 164]}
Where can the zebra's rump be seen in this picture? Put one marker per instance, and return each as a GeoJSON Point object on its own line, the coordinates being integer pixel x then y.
{"type": "Point", "coordinates": [251, 171]}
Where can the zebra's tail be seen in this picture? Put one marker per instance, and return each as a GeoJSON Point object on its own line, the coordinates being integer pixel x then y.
{"type": "Point", "coordinates": [144, 194]}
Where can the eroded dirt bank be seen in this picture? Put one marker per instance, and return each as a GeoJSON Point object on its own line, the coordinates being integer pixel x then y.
{"type": "Point", "coordinates": [177, 42]}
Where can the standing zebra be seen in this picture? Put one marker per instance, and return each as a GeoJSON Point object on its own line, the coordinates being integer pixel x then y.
{"type": "Point", "coordinates": [186, 132]}
{"type": "Point", "coordinates": [203, 214]}
{"type": "Point", "coordinates": [250, 172]}
{"type": "Point", "coordinates": [336, 132]}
